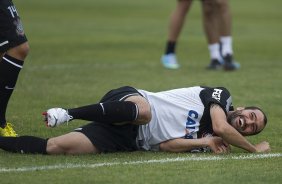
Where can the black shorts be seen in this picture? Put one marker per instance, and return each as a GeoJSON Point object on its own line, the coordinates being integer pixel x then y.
{"type": "Point", "coordinates": [108, 137]}
{"type": "Point", "coordinates": [11, 29]}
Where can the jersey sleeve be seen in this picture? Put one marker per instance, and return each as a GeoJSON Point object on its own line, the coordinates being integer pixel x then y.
{"type": "Point", "coordinates": [218, 95]}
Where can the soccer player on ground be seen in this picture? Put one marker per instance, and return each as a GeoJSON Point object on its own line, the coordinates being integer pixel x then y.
{"type": "Point", "coordinates": [217, 26]}
{"type": "Point", "coordinates": [129, 119]}
{"type": "Point", "coordinates": [13, 50]}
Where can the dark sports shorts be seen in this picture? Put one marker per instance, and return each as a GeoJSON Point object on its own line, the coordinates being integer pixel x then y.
{"type": "Point", "coordinates": [11, 29]}
{"type": "Point", "coordinates": [108, 137]}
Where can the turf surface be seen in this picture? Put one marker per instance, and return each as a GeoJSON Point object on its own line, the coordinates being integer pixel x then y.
{"type": "Point", "coordinates": [81, 49]}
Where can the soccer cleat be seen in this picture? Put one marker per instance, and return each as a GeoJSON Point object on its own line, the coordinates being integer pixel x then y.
{"type": "Point", "coordinates": [56, 116]}
{"type": "Point", "coordinates": [215, 65]}
{"type": "Point", "coordinates": [8, 131]}
{"type": "Point", "coordinates": [169, 61]}
{"type": "Point", "coordinates": [229, 63]}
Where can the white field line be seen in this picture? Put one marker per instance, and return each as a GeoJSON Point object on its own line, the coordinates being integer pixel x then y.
{"type": "Point", "coordinates": [167, 160]}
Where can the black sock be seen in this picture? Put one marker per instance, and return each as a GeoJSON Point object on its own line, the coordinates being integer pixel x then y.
{"type": "Point", "coordinates": [24, 144]}
{"type": "Point", "coordinates": [9, 71]}
{"type": "Point", "coordinates": [108, 112]}
{"type": "Point", "coordinates": [170, 47]}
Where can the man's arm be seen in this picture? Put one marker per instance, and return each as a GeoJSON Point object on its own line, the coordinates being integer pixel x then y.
{"type": "Point", "coordinates": [183, 145]}
{"type": "Point", "coordinates": [229, 134]}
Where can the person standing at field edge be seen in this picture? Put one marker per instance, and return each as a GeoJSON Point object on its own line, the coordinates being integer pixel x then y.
{"type": "Point", "coordinates": [14, 48]}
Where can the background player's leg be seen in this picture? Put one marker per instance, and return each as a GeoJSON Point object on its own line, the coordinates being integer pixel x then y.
{"type": "Point", "coordinates": [176, 23]}
{"type": "Point", "coordinates": [14, 48]}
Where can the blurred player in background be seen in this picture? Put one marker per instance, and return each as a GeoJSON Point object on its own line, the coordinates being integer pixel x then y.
{"type": "Point", "coordinates": [13, 50]}
{"type": "Point", "coordinates": [217, 26]}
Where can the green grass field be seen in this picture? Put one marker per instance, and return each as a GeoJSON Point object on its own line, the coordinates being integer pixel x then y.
{"type": "Point", "coordinates": [81, 49]}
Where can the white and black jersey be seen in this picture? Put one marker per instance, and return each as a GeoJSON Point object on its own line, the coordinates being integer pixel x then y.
{"type": "Point", "coordinates": [180, 113]}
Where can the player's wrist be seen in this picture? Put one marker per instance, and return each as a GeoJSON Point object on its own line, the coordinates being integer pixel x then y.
{"type": "Point", "coordinates": [206, 141]}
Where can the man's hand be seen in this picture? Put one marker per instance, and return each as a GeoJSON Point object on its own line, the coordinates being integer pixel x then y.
{"type": "Point", "coordinates": [217, 145]}
{"type": "Point", "coordinates": [263, 147]}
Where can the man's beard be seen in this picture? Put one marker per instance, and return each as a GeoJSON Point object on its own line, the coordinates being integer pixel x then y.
{"type": "Point", "coordinates": [232, 117]}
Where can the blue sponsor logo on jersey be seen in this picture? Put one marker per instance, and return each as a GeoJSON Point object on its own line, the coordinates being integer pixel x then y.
{"type": "Point", "coordinates": [191, 124]}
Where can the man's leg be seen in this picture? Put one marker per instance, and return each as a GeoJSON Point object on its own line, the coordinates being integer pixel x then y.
{"type": "Point", "coordinates": [176, 23]}
{"type": "Point", "coordinates": [13, 50]}
{"type": "Point", "coordinates": [217, 25]}
{"type": "Point", "coordinates": [23, 144]}
{"type": "Point", "coordinates": [11, 64]}
{"type": "Point", "coordinates": [71, 143]}
{"type": "Point", "coordinates": [135, 110]}
{"type": "Point", "coordinates": [211, 27]}
{"type": "Point", "coordinates": [107, 112]}
{"type": "Point", "coordinates": [225, 27]}
{"type": "Point", "coordinates": [225, 35]}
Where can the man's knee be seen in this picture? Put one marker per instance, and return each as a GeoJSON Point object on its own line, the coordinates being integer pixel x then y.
{"type": "Point", "coordinates": [73, 143]}
{"type": "Point", "coordinates": [209, 7]}
{"type": "Point", "coordinates": [20, 52]}
{"type": "Point", "coordinates": [144, 109]}
{"type": "Point", "coordinates": [23, 49]}
{"type": "Point", "coordinates": [183, 6]}
{"type": "Point", "coordinates": [220, 3]}
{"type": "Point", "coordinates": [54, 148]}
{"type": "Point", "coordinates": [145, 115]}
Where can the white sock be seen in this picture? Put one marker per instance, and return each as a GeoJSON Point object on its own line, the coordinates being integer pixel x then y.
{"type": "Point", "coordinates": [214, 51]}
{"type": "Point", "coordinates": [226, 43]}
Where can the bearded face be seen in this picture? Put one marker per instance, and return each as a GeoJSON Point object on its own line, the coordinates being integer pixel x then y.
{"type": "Point", "coordinates": [246, 121]}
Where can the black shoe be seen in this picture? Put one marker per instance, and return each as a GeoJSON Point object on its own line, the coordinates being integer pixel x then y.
{"type": "Point", "coordinates": [229, 63]}
{"type": "Point", "coordinates": [214, 65]}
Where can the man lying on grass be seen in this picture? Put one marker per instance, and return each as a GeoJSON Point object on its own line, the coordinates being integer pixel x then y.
{"type": "Point", "coordinates": [129, 119]}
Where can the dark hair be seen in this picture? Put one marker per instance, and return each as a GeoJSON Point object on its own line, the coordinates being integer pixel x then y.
{"type": "Point", "coordinates": [264, 115]}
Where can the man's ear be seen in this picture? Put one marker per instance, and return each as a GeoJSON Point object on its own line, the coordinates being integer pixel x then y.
{"type": "Point", "coordinates": [240, 108]}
